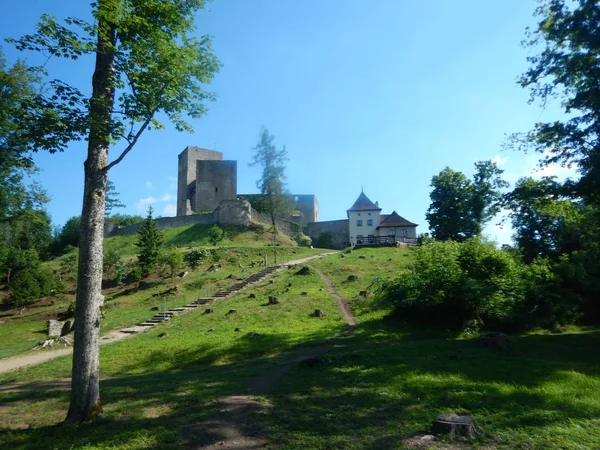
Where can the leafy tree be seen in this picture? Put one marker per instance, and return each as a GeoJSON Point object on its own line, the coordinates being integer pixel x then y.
{"type": "Point", "coordinates": [146, 64]}
{"type": "Point", "coordinates": [460, 207]}
{"type": "Point", "coordinates": [173, 258]}
{"type": "Point", "coordinates": [216, 234]}
{"type": "Point", "coordinates": [545, 223]}
{"type": "Point", "coordinates": [194, 257]}
{"type": "Point", "coordinates": [303, 239]}
{"type": "Point", "coordinates": [150, 239]}
{"type": "Point", "coordinates": [124, 220]}
{"type": "Point", "coordinates": [68, 236]}
{"type": "Point", "coordinates": [112, 200]}
{"type": "Point", "coordinates": [277, 200]}
{"type": "Point", "coordinates": [567, 68]}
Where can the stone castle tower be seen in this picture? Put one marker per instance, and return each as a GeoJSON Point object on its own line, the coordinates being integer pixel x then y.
{"type": "Point", "coordinates": [204, 180]}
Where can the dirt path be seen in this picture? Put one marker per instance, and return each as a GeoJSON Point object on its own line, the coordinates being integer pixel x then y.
{"type": "Point", "coordinates": [39, 357]}
{"type": "Point", "coordinates": [342, 304]}
{"type": "Point", "coordinates": [235, 419]}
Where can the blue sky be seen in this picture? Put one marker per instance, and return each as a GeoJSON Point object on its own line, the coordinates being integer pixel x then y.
{"type": "Point", "coordinates": [380, 95]}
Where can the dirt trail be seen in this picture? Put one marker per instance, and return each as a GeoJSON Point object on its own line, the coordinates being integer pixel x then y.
{"type": "Point", "coordinates": [39, 357]}
{"type": "Point", "coordinates": [235, 420]}
{"type": "Point", "coordinates": [342, 304]}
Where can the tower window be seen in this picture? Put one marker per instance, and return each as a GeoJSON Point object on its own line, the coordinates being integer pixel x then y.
{"type": "Point", "coordinates": [216, 189]}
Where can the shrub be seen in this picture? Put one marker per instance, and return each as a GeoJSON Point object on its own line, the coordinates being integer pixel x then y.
{"type": "Point", "coordinates": [193, 258]}
{"type": "Point", "coordinates": [303, 239]}
{"type": "Point", "coordinates": [454, 285]}
{"type": "Point", "coordinates": [172, 258]}
{"type": "Point", "coordinates": [216, 234]}
{"type": "Point", "coordinates": [324, 240]}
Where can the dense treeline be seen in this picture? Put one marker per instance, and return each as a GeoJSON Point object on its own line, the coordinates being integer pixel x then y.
{"type": "Point", "coordinates": [551, 276]}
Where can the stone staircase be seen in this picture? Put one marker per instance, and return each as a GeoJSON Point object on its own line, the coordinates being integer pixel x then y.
{"type": "Point", "coordinates": [201, 302]}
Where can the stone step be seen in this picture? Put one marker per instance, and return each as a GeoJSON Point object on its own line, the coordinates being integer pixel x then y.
{"type": "Point", "coordinates": [155, 320]}
{"type": "Point", "coordinates": [191, 306]}
{"type": "Point", "coordinates": [156, 317]}
{"type": "Point", "coordinates": [176, 310]}
{"type": "Point", "coordinates": [147, 324]}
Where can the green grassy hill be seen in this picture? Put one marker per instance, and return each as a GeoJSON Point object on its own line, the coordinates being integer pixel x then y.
{"type": "Point", "coordinates": [376, 387]}
{"type": "Point", "coordinates": [257, 235]}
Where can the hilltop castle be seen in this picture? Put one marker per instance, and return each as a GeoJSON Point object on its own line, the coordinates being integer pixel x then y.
{"type": "Point", "coordinates": [205, 180]}
{"type": "Point", "coordinates": [207, 194]}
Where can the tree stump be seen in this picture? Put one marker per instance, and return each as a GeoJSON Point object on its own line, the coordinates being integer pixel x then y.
{"type": "Point", "coordinates": [494, 340]}
{"type": "Point", "coordinates": [455, 425]}
{"type": "Point", "coordinates": [363, 293]}
{"type": "Point", "coordinates": [251, 295]}
{"type": "Point", "coordinates": [232, 311]}
{"type": "Point", "coordinates": [352, 277]}
{"type": "Point", "coordinates": [183, 274]}
{"type": "Point", "coordinates": [273, 300]}
{"type": "Point", "coordinates": [209, 311]}
{"type": "Point", "coordinates": [362, 257]}
{"type": "Point", "coordinates": [318, 313]}
{"type": "Point", "coordinates": [303, 293]}
{"type": "Point", "coordinates": [54, 328]}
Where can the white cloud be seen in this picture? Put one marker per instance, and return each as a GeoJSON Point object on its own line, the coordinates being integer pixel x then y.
{"type": "Point", "coordinates": [499, 160]}
{"type": "Point", "coordinates": [145, 202]}
{"type": "Point", "coordinates": [170, 210]}
{"type": "Point", "coordinates": [148, 184]}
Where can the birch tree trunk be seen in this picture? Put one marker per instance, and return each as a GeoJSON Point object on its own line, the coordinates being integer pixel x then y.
{"type": "Point", "coordinates": [85, 391]}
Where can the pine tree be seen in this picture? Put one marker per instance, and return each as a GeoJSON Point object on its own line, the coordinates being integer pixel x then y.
{"type": "Point", "coordinates": [150, 238]}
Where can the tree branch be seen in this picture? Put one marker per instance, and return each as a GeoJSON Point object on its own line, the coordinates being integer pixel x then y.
{"type": "Point", "coordinates": [131, 144]}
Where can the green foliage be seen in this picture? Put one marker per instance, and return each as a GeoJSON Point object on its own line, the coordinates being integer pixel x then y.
{"type": "Point", "coordinates": [124, 220]}
{"type": "Point", "coordinates": [112, 200]}
{"type": "Point", "coordinates": [194, 257]}
{"type": "Point", "coordinates": [324, 240]}
{"type": "Point", "coordinates": [28, 279]}
{"type": "Point", "coordinates": [545, 223]}
{"type": "Point", "coordinates": [303, 239]}
{"type": "Point", "coordinates": [114, 266]}
{"type": "Point", "coordinates": [276, 200]}
{"type": "Point", "coordinates": [456, 285]}
{"type": "Point", "coordinates": [216, 234]}
{"type": "Point", "coordinates": [149, 241]}
{"type": "Point", "coordinates": [460, 207]}
{"type": "Point", "coordinates": [68, 264]}
{"type": "Point", "coordinates": [68, 236]}
{"type": "Point", "coordinates": [565, 66]}
{"type": "Point", "coordinates": [172, 258]}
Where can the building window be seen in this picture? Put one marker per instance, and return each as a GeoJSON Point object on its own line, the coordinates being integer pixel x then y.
{"type": "Point", "coordinates": [359, 223]}
{"type": "Point", "coordinates": [403, 233]}
{"type": "Point", "coordinates": [392, 232]}
{"type": "Point", "coordinates": [216, 189]}
{"type": "Point", "coordinates": [370, 222]}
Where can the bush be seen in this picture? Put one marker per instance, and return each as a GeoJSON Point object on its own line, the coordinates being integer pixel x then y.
{"type": "Point", "coordinates": [193, 258]}
{"type": "Point", "coordinates": [216, 234]}
{"type": "Point", "coordinates": [172, 258]}
{"type": "Point", "coordinates": [469, 285]}
{"type": "Point", "coordinates": [303, 239]}
{"type": "Point", "coordinates": [324, 240]}
{"type": "Point", "coordinates": [29, 284]}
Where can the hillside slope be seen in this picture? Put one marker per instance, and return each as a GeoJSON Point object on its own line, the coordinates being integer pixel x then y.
{"type": "Point", "coordinates": [375, 388]}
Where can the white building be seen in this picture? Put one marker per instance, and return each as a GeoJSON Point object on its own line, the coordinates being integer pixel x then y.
{"type": "Point", "coordinates": [368, 226]}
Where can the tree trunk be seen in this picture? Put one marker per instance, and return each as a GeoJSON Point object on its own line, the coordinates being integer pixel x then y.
{"type": "Point", "coordinates": [85, 391]}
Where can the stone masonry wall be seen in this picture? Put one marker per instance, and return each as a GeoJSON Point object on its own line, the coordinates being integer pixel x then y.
{"type": "Point", "coordinates": [337, 228]}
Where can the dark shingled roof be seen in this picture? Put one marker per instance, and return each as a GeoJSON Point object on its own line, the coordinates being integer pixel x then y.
{"type": "Point", "coordinates": [395, 220]}
{"type": "Point", "coordinates": [363, 203]}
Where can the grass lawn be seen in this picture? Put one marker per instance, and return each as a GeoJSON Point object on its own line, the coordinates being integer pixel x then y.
{"type": "Point", "coordinates": [21, 331]}
{"type": "Point", "coordinates": [378, 385]}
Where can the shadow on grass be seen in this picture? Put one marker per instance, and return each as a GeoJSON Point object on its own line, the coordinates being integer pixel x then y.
{"type": "Point", "coordinates": [374, 396]}
{"type": "Point", "coordinates": [154, 409]}
{"type": "Point", "coordinates": [371, 393]}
